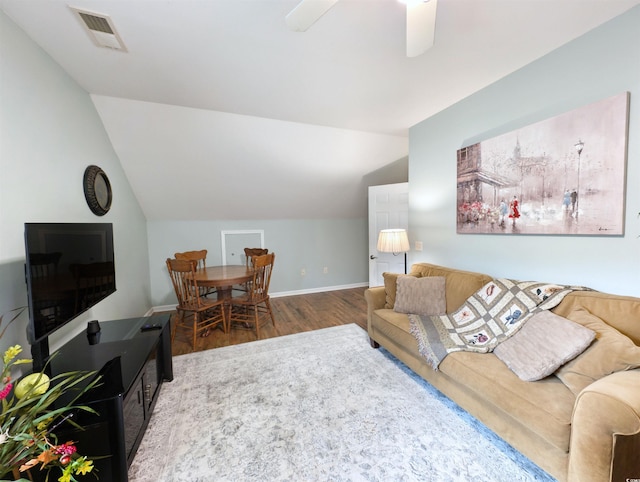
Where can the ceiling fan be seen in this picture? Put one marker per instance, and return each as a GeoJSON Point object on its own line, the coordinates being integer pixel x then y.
{"type": "Point", "coordinates": [421, 21]}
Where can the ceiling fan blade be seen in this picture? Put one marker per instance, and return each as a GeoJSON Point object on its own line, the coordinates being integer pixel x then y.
{"type": "Point", "coordinates": [307, 13]}
{"type": "Point", "coordinates": [421, 26]}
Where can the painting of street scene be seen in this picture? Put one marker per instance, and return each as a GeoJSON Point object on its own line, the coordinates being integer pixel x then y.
{"type": "Point", "coordinates": [564, 175]}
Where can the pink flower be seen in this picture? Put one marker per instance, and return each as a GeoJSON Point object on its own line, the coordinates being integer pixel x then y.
{"type": "Point", "coordinates": [5, 391]}
{"type": "Point", "coordinates": [65, 449]}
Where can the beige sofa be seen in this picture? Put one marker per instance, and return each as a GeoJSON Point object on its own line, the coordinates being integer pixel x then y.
{"type": "Point", "coordinates": [592, 435]}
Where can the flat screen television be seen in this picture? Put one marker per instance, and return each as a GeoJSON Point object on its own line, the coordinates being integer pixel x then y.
{"type": "Point", "coordinates": [69, 268]}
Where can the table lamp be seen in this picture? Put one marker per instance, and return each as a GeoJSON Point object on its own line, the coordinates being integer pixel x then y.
{"type": "Point", "coordinates": [394, 241]}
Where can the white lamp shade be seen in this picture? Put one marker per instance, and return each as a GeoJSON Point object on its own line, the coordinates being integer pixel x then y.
{"type": "Point", "coordinates": [393, 241]}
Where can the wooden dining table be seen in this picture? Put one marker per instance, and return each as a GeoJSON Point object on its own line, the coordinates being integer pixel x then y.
{"type": "Point", "coordinates": [223, 278]}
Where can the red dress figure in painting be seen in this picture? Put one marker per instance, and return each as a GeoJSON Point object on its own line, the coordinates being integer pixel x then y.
{"type": "Point", "coordinates": [514, 213]}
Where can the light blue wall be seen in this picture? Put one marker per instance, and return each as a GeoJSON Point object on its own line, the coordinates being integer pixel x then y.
{"type": "Point", "coordinates": [602, 63]}
{"type": "Point", "coordinates": [49, 133]}
{"type": "Point", "coordinates": [338, 244]}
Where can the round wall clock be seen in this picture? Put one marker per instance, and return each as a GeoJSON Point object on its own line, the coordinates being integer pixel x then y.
{"type": "Point", "coordinates": [97, 190]}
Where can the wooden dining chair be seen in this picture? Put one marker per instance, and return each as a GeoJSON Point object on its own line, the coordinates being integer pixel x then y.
{"type": "Point", "coordinates": [255, 306]}
{"type": "Point", "coordinates": [200, 257]}
{"type": "Point", "coordinates": [205, 313]}
{"type": "Point", "coordinates": [249, 254]}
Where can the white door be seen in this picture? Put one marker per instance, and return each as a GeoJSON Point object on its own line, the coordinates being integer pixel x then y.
{"type": "Point", "coordinates": [388, 209]}
{"type": "Point", "coordinates": [234, 242]}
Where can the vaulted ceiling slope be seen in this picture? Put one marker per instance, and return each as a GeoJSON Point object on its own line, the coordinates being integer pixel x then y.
{"type": "Point", "coordinates": [219, 97]}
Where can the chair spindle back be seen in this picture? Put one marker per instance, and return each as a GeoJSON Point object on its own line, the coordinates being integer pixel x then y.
{"type": "Point", "coordinates": [262, 268]}
{"type": "Point", "coordinates": [182, 272]}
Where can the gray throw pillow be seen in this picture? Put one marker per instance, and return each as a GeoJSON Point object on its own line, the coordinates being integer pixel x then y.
{"type": "Point", "coordinates": [420, 296]}
{"type": "Point", "coordinates": [545, 342]}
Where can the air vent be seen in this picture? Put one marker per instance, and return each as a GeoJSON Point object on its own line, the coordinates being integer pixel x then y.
{"type": "Point", "coordinates": [100, 29]}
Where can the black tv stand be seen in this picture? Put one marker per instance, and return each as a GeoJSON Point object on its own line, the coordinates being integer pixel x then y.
{"type": "Point", "coordinates": [133, 363]}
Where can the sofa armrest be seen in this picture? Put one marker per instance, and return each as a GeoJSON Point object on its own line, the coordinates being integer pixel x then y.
{"type": "Point", "coordinates": [376, 299]}
{"type": "Point", "coordinates": [605, 430]}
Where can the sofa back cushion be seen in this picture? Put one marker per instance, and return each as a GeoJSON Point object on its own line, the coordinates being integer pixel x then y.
{"type": "Point", "coordinates": [620, 312]}
{"type": "Point", "coordinates": [611, 352]}
{"type": "Point", "coordinates": [459, 284]}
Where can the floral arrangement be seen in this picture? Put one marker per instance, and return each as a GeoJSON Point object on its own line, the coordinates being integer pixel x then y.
{"type": "Point", "coordinates": [30, 415]}
{"type": "Point", "coordinates": [471, 212]}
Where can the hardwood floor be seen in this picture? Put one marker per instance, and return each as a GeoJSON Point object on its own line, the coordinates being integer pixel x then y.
{"type": "Point", "coordinates": [293, 314]}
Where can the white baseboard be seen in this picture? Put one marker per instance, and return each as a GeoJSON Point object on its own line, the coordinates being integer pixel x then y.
{"type": "Point", "coordinates": [318, 290]}
{"type": "Point", "coordinates": [160, 309]}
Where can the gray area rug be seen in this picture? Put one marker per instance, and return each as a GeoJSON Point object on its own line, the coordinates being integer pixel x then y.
{"type": "Point", "coordinates": [315, 406]}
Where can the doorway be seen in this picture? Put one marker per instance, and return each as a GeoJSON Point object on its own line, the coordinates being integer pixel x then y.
{"type": "Point", "coordinates": [388, 209]}
{"type": "Point", "coordinates": [234, 242]}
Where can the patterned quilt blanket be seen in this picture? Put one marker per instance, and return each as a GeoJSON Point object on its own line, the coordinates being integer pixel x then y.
{"type": "Point", "coordinates": [491, 315]}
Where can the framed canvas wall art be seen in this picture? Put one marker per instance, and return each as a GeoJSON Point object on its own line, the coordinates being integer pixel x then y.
{"type": "Point", "coordinates": [563, 176]}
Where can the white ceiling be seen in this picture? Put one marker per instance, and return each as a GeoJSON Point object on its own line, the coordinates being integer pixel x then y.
{"type": "Point", "coordinates": [191, 62]}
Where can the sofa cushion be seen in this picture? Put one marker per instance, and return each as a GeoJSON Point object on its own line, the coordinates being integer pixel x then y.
{"type": "Point", "coordinates": [420, 296]}
{"type": "Point", "coordinates": [545, 343]}
{"type": "Point", "coordinates": [544, 406]}
{"type": "Point", "coordinates": [611, 352]}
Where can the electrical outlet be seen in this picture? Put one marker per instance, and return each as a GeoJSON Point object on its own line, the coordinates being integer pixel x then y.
{"type": "Point", "coordinates": [303, 272]}
{"type": "Point", "coordinates": [325, 270]}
